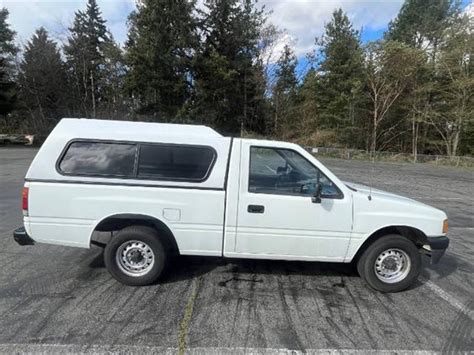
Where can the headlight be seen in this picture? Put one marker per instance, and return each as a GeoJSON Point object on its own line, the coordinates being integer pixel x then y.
{"type": "Point", "coordinates": [445, 226]}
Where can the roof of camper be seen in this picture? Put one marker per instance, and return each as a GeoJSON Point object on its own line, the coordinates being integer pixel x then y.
{"type": "Point", "coordinates": [131, 130]}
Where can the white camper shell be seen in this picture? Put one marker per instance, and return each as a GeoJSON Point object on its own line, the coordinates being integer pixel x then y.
{"type": "Point", "coordinates": [186, 189]}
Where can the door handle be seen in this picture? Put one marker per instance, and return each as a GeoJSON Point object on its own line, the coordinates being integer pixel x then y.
{"type": "Point", "coordinates": [255, 209]}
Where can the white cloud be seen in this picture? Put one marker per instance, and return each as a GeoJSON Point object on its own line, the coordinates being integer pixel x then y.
{"type": "Point", "coordinates": [303, 20]}
{"type": "Point", "coordinates": [57, 15]}
{"type": "Point", "coordinates": [469, 10]}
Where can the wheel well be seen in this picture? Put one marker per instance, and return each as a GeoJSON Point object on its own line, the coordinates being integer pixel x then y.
{"type": "Point", "coordinates": [117, 222]}
{"type": "Point", "coordinates": [414, 234]}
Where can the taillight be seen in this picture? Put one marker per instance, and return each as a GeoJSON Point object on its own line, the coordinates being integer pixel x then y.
{"type": "Point", "coordinates": [24, 200]}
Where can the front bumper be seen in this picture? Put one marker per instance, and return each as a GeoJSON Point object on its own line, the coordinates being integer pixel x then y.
{"type": "Point", "coordinates": [21, 237]}
{"type": "Point", "coordinates": [436, 247]}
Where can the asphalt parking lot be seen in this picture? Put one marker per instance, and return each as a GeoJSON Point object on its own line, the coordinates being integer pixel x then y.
{"type": "Point", "coordinates": [59, 299]}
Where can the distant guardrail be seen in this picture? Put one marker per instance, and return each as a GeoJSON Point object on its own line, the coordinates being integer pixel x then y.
{"type": "Point", "coordinates": [358, 154]}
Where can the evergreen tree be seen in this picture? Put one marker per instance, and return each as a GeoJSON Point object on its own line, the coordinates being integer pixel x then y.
{"type": "Point", "coordinates": [229, 74]}
{"type": "Point", "coordinates": [284, 92]}
{"type": "Point", "coordinates": [162, 39]}
{"type": "Point", "coordinates": [307, 109]}
{"type": "Point", "coordinates": [420, 24]}
{"type": "Point", "coordinates": [115, 104]}
{"type": "Point", "coordinates": [85, 57]}
{"type": "Point", "coordinates": [340, 73]}
{"type": "Point", "coordinates": [8, 90]}
{"type": "Point", "coordinates": [43, 81]}
{"type": "Point", "coordinates": [8, 49]}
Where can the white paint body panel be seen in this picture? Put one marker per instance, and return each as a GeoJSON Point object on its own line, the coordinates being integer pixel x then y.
{"type": "Point", "coordinates": [291, 227]}
{"type": "Point", "coordinates": [209, 217]}
{"type": "Point", "coordinates": [74, 210]}
{"type": "Point", "coordinates": [385, 209]}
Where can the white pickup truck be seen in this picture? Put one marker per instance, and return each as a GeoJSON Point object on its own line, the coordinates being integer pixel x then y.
{"type": "Point", "coordinates": [158, 189]}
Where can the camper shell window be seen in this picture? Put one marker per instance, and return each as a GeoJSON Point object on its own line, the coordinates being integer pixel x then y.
{"type": "Point", "coordinates": [151, 161]}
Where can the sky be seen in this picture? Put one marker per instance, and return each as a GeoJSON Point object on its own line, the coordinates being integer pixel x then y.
{"type": "Point", "coordinates": [301, 20]}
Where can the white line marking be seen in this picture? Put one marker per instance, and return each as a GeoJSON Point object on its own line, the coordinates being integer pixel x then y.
{"type": "Point", "coordinates": [468, 228]}
{"type": "Point", "coordinates": [143, 349]}
{"type": "Point", "coordinates": [447, 297]}
{"type": "Point", "coordinates": [421, 198]}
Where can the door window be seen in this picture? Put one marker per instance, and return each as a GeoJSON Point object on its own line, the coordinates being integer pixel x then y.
{"type": "Point", "coordinates": [286, 172]}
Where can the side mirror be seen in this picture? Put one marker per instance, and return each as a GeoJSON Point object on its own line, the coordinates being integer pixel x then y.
{"type": "Point", "coordinates": [316, 198]}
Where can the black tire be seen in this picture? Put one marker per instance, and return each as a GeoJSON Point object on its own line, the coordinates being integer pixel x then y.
{"type": "Point", "coordinates": [366, 263]}
{"type": "Point", "coordinates": [149, 237]}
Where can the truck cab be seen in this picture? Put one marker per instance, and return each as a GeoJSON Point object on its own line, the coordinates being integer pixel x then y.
{"type": "Point", "coordinates": [157, 189]}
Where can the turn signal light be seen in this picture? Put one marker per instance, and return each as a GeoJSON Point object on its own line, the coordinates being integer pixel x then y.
{"type": "Point", "coordinates": [24, 200]}
{"type": "Point", "coordinates": [445, 226]}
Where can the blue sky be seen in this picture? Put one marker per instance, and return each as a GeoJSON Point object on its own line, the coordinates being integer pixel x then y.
{"type": "Point", "coordinates": [300, 20]}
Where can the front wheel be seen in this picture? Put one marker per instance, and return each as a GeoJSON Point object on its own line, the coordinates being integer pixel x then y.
{"type": "Point", "coordinates": [390, 264]}
{"type": "Point", "coordinates": [135, 256]}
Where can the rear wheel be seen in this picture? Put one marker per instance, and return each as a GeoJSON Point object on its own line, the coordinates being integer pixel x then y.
{"type": "Point", "coordinates": [135, 256]}
{"type": "Point", "coordinates": [390, 264]}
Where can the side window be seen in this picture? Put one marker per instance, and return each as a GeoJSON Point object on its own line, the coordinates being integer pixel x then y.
{"type": "Point", "coordinates": [95, 158]}
{"type": "Point", "coordinates": [286, 172]}
{"type": "Point", "coordinates": [175, 162]}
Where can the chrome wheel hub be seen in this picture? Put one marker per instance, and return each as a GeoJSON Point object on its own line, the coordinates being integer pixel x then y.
{"type": "Point", "coordinates": [392, 265]}
{"type": "Point", "coordinates": [135, 258]}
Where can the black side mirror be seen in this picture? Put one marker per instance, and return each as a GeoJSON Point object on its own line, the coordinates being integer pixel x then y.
{"type": "Point", "coordinates": [316, 198]}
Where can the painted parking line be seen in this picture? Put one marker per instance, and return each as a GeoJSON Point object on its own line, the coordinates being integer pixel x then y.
{"type": "Point", "coordinates": [143, 349]}
{"type": "Point", "coordinates": [188, 313]}
{"type": "Point", "coordinates": [421, 198]}
{"type": "Point", "coordinates": [453, 301]}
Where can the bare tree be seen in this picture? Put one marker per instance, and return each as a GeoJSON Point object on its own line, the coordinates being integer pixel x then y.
{"type": "Point", "coordinates": [389, 68]}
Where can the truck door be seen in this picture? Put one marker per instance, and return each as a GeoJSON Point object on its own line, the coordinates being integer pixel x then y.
{"type": "Point", "coordinates": [277, 217]}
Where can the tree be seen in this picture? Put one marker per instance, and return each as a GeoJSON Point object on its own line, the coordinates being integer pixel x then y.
{"type": "Point", "coordinates": [416, 104]}
{"type": "Point", "coordinates": [228, 70]}
{"type": "Point", "coordinates": [421, 25]}
{"type": "Point", "coordinates": [269, 42]}
{"type": "Point", "coordinates": [161, 41]}
{"type": "Point", "coordinates": [284, 91]}
{"type": "Point", "coordinates": [43, 81]}
{"type": "Point", "coordinates": [8, 50]}
{"type": "Point", "coordinates": [7, 90]}
{"type": "Point", "coordinates": [454, 110]}
{"type": "Point", "coordinates": [307, 106]}
{"type": "Point", "coordinates": [389, 69]}
{"type": "Point", "coordinates": [115, 103]}
{"type": "Point", "coordinates": [85, 57]}
{"type": "Point", "coordinates": [340, 72]}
